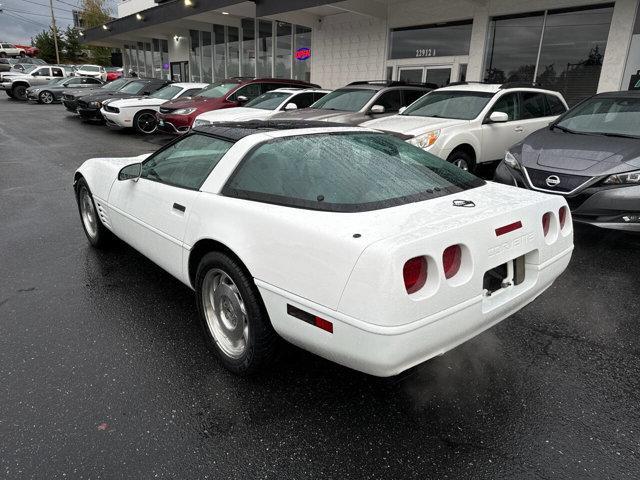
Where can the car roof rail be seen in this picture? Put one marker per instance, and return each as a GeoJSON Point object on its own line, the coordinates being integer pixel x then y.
{"type": "Point", "coordinates": [521, 85]}
{"type": "Point", "coordinates": [393, 83]}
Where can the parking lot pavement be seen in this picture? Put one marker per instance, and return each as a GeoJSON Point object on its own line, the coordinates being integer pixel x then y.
{"type": "Point", "coordinates": [104, 373]}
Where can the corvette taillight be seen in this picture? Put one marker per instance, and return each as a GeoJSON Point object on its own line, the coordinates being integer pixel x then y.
{"type": "Point", "coordinates": [451, 259]}
{"type": "Point", "coordinates": [415, 274]}
{"type": "Point", "coordinates": [562, 216]}
{"type": "Point", "coordinates": [546, 223]}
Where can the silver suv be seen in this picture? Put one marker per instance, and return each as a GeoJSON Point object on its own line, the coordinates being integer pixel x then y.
{"type": "Point", "coordinates": [16, 86]}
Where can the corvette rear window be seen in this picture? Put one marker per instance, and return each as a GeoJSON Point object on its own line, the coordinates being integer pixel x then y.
{"type": "Point", "coordinates": [344, 172]}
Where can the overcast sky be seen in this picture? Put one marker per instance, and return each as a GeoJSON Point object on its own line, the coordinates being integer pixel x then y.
{"type": "Point", "coordinates": [22, 19]}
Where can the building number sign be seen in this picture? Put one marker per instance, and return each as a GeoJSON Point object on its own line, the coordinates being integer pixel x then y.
{"type": "Point", "coordinates": [426, 52]}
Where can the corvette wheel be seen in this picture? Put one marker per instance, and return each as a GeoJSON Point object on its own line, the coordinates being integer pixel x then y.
{"type": "Point", "coordinates": [19, 92]}
{"type": "Point", "coordinates": [145, 123]}
{"type": "Point", "coordinates": [46, 97]}
{"type": "Point", "coordinates": [233, 317]}
{"type": "Point", "coordinates": [97, 233]}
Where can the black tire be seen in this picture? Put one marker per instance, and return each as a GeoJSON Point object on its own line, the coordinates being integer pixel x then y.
{"type": "Point", "coordinates": [99, 236]}
{"type": "Point", "coordinates": [3, 55]}
{"type": "Point", "coordinates": [46, 97]}
{"type": "Point", "coordinates": [462, 159]}
{"type": "Point", "coordinates": [145, 122]}
{"type": "Point", "coordinates": [19, 92]}
{"type": "Point", "coordinates": [22, 54]}
{"type": "Point", "coordinates": [262, 343]}
{"type": "Point", "coordinates": [9, 93]}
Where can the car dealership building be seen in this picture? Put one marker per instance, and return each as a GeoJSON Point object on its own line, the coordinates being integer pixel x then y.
{"type": "Point", "coordinates": [578, 47]}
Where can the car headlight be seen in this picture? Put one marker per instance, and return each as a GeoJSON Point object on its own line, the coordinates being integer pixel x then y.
{"type": "Point", "coordinates": [95, 104]}
{"type": "Point", "coordinates": [425, 140]}
{"type": "Point", "coordinates": [629, 178]}
{"type": "Point", "coordinates": [198, 122]}
{"type": "Point", "coordinates": [511, 160]}
{"type": "Point", "coordinates": [185, 111]}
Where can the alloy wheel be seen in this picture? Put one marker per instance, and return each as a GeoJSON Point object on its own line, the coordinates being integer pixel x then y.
{"type": "Point", "coordinates": [147, 123]}
{"type": "Point", "coordinates": [88, 213]}
{"type": "Point", "coordinates": [225, 313]}
{"type": "Point", "coordinates": [46, 97]}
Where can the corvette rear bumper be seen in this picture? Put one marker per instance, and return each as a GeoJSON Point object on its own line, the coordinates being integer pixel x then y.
{"type": "Point", "coordinates": [389, 350]}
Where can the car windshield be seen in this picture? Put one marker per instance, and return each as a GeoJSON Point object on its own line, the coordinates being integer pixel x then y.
{"type": "Point", "coordinates": [132, 87]}
{"type": "Point", "coordinates": [461, 105]}
{"type": "Point", "coordinates": [217, 90]}
{"type": "Point", "coordinates": [23, 68]}
{"type": "Point", "coordinates": [90, 68]}
{"type": "Point", "coordinates": [268, 101]}
{"type": "Point", "coordinates": [166, 93]}
{"type": "Point", "coordinates": [345, 172]}
{"type": "Point", "coordinates": [345, 99]}
{"type": "Point", "coordinates": [604, 116]}
{"type": "Point", "coordinates": [57, 81]}
{"type": "Point", "coordinates": [115, 85]}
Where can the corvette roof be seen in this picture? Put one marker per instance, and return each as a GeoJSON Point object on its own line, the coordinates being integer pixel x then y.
{"type": "Point", "coordinates": [237, 130]}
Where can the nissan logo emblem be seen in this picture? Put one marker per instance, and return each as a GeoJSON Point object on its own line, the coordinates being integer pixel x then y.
{"type": "Point", "coordinates": [463, 203]}
{"type": "Point", "coordinates": [553, 180]}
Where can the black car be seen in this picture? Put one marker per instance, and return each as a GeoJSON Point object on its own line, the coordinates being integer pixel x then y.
{"type": "Point", "coordinates": [89, 105]}
{"type": "Point", "coordinates": [70, 97]}
{"type": "Point", "coordinates": [591, 156]}
{"type": "Point", "coordinates": [52, 91]}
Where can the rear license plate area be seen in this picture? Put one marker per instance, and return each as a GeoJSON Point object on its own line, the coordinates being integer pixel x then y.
{"type": "Point", "coordinates": [504, 276]}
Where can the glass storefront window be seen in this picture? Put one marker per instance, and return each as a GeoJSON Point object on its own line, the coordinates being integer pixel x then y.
{"type": "Point", "coordinates": [560, 49]}
{"type": "Point", "coordinates": [248, 47]}
{"type": "Point", "coordinates": [157, 59]}
{"type": "Point", "coordinates": [302, 63]}
{"type": "Point", "coordinates": [141, 68]}
{"type": "Point", "coordinates": [440, 40]}
{"type": "Point", "coordinates": [219, 54]}
{"type": "Point", "coordinates": [572, 51]}
{"type": "Point", "coordinates": [164, 55]}
{"type": "Point", "coordinates": [265, 48]}
{"type": "Point", "coordinates": [148, 60]}
{"type": "Point", "coordinates": [513, 48]}
{"type": "Point", "coordinates": [233, 61]}
{"type": "Point", "coordinates": [283, 50]}
{"type": "Point", "coordinates": [207, 57]}
{"type": "Point", "coordinates": [194, 55]}
{"type": "Point", "coordinates": [126, 59]}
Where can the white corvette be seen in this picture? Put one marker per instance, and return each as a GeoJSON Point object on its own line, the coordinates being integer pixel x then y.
{"type": "Point", "coordinates": [348, 242]}
{"type": "Point", "coordinates": [264, 106]}
{"type": "Point", "coordinates": [140, 112]}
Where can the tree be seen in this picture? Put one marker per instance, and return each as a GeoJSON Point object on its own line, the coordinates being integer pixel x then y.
{"type": "Point", "coordinates": [95, 13]}
{"type": "Point", "coordinates": [72, 45]}
{"type": "Point", "coordinates": [44, 42]}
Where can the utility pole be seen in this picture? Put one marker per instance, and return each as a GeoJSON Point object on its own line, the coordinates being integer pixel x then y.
{"type": "Point", "coordinates": [55, 32]}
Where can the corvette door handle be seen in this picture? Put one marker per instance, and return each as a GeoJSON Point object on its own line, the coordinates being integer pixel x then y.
{"type": "Point", "coordinates": [180, 208]}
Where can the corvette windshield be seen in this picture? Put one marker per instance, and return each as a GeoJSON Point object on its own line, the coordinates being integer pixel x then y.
{"type": "Point", "coordinates": [345, 99]}
{"type": "Point", "coordinates": [460, 105]}
{"type": "Point", "coordinates": [604, 116]}
{"type": "Point", "coordinates": [268, 101]}
{"type": "Point", "coordinates": [166, 93]}
{"type": "Point", "coordinates": [217, 90]}
{"type": "Point", "coordinates": [345, 172]}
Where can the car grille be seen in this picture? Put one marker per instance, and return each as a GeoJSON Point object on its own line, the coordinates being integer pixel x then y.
{"type": "Point", "coordinates": [166, 110]}
{"type": "Point", "coordinates": [109, 108]}
{"type": "Point", "coordinates": [66, 97]}
{"type": "Point", "coordinates": [82, 104]}
{"type": "Point", "coordinates": [567, 183]}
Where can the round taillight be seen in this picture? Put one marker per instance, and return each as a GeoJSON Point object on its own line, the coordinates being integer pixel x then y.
{"type": "Point", "coordinates": [415, 274]}
{"type": "Point", "coordinates": [562, 216]}
{"type": "Point", "coordinates": [451, 259]}
{"type": "Point", "coordinates": [546, 223]}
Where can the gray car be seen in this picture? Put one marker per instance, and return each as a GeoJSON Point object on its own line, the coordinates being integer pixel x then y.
{"type": "Point", "coordinates": [591, 156]}
{"type": "Point", "coordinates": [52, 91]}
{"type": "Point", "coordinates": [359, 102]}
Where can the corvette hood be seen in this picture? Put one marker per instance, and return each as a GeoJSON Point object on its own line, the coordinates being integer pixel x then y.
{"type": "Point", "coordinates": [585, 155]}
{"type": "Point", "coordinates": [412, 125]}
{"type": "Point", "coordinates": [236, 114]}
{"type": "Point", "coordinates": [137, 102]}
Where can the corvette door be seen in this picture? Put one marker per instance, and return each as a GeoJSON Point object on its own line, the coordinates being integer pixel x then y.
{"type": "Point", "coordinates": [151, 213]}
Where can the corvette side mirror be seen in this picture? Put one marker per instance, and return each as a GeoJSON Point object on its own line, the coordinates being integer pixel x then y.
{"type": "Point", "coordinates": [131, 172]}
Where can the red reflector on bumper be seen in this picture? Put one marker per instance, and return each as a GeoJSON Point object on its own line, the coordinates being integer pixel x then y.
{"type": "Point", "coordinates": [307, 317]}
{"type": "Point", "coordinates": [325, 325]}
{"type": "Point", "coordinates": [508, 228]}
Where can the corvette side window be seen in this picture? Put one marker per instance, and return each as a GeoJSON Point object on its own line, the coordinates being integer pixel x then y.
{"type": "Point", "coordinates": [186, 163]}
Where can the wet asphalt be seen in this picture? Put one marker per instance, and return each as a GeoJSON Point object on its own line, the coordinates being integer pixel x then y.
{"type": "Point", "coordinates": [104, 372]}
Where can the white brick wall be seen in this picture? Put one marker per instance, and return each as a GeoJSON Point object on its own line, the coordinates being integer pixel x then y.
{"type": "Point", "coordinates": [347, 47]}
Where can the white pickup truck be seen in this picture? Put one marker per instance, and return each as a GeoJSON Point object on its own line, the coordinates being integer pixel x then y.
{"type": "Point", "coordinates": [16, 86]}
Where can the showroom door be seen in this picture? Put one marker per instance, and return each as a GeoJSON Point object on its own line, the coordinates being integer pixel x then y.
{"type": "Point", "coordinates": [437, 75]}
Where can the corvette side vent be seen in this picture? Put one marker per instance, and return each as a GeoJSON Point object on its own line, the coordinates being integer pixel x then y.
{"type": "Point", "coordinates": [102, 212]}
